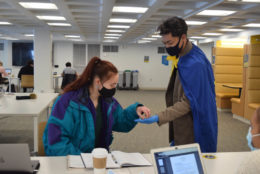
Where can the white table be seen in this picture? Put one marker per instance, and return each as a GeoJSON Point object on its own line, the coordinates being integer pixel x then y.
{"type": "Point", "coordinates": [225, 162]}
{"type": "Point", "coordinates": [9, 106]}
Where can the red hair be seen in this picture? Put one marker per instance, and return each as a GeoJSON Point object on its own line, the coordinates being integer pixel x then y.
{"type": "Point", "coordinates": [96, 67]}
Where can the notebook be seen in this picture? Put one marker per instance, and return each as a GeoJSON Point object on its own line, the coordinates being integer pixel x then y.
{"type": "Point", "coordinates": [116, 159]}
{"type": "Point", "coordinates": [178, 160]}
{"type": "Point", "coordinates": [15, 158]}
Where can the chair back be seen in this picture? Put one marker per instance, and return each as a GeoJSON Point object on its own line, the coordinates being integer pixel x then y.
{"type": "Point", "coordinates": [41, 128]}
{"type": "Point", "coordinates": [68, 78]}
{"type": "Point", "coordinates": [27, 81]}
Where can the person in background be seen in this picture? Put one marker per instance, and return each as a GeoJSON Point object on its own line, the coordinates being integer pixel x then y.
{"type": "Point", "coordinates": [26, 70]}
{"type": "Point", "coordinates": [2, 70]}
{"type": "Point", "coordinates": [251, 164]}
{"type": "Point", "coordinates": [253, 135]}
{"type": "Point", "coordinates": [190, 97]}
{"type": "Point", "coordinates": [4, 74]}
{"type": "Point", "coordinates": [85, 115]}
{"type": "Point", "coordinates": [69, 75]}
{"type": "Point", "coordinates": [68, 70]}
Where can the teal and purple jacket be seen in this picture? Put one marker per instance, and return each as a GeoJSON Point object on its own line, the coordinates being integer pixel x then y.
{"type": "Point", "coordinates": [71, 127]}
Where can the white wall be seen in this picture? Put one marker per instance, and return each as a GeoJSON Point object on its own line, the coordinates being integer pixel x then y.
{"type": "Point", "coordinates": [63, 52]}
{"type": "Point", "coordinates": [152, 75]}
{"type": "Point", "coordinates": [207, 49]}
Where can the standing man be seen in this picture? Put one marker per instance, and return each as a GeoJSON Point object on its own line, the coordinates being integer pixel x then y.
{"type": "Point", "coordinates": [190, 96]}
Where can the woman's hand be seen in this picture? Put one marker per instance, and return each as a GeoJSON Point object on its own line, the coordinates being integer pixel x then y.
{"type": "Point", "coordinates": [143, 112]}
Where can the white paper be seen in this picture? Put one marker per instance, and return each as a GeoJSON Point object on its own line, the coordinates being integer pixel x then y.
{"type": "Point", "coordinates": [74, 161]}
{"type": "Point", "coordinates": [130, 159]}
{"type": "Point", "coordinates": [184, 164]}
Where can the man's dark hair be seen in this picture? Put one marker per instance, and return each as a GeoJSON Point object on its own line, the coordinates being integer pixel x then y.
{"type": "Point", "coordinates": [30, 62]}
{"type": "Point", "coordinates": [68, 64]}
{"type": "Point", "coordinates": [174, 25]}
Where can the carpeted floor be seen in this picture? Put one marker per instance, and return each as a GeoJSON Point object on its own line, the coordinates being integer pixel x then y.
{"type": "Point", "coordinates": [231, 135]}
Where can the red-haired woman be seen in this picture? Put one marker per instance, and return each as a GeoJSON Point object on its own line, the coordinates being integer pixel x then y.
{"type": "Point", "coordinates": [85, 115]}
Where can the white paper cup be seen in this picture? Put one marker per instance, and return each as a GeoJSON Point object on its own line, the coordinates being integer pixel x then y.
{"type": "Point", "coordinates": [99, 156]}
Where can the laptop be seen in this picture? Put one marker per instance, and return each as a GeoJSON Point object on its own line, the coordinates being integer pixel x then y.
{"type": "Point", "coordinates": [8, 70]}
{"type": "Point", "coordinates": [15, 158]}
{"type": "Point", "coordinates": [184, 159]}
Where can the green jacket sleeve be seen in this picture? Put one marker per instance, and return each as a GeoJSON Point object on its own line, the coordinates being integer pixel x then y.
{"type": "Point", "coordinates": [124, 118]}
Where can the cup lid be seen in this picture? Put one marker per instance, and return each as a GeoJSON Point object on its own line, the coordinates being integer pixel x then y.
{"type": "Point", "coordinates": [99, 152]}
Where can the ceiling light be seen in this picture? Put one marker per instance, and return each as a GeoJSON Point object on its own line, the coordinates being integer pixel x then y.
{"type": "Point", "coordinates": [5, 23]}
{"type": "Point", "coordinates": [8, 38]}
{"type": "Point", "coordinates": [110, 37]}
{"type": "Point", "coordinates": [72, 36]}
{"type": "Point", "coordinates": [59, 24]}
{"type": "Point", "coordinates": [147, 38]}
{"type": "Point", "coordinates": [252, 25]}
{"type": "Point", "coordinates": [125, 9]}
{"type": "Point", "coordinates": [216, 12]}
{"type": "Point", "coordinates": [195, 22]}
{"type": "Point", "coordinates": [77, 40]}
{"type": "Point", "coordinates": [231, 29]}
{"type": "Point", "coordinates": [115, 31]}
{"type": "Point", "coordinates": [118, 26]}
{"type": "Point", "coordinates": [29, 35]}
{"type": "Point", "coordinates": [197, 37]}
{"type": "Point", "coordinates": [212, 34]}
{"type": "Point", "coordinates": [113, 34]}
{"type": "Point", "coordinates": [51, 18]}
{"type": "Point", "coordinates": [122, 20]}
{"type": "Point", "coordinates": [156, 36]}
{"type": "Point", "coordinates": [143, 41]}
{"type": "Point", "coordinates": [108, 40]}
{"type": "Point", "coordinates": [38, 5]}
{"type": "Point", "coordinates": [251, 0]}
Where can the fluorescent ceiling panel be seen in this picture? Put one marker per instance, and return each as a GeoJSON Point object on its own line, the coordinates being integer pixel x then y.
{"type": "Point", "coordinates": [115, 31]}
{"type": "Point", "coordinates": [147, 38]}
{"type": "Point", "coordinates": [108, 40]}
{"type": "Point", "coordinates": [5, 23]}
{"type": "Point", "coordinates": [216, 13]}
{"type": "Point", "coordinates": [121, 20]}
{"type": "Point", "coordinates": [113, 34]}
{"type": "Point", "coordinates": [212, 34]}
{"type": "Point", "coordinates": [126, 9]}
{"type": "Point", "coordinates": [252, 25]}
{"type": "Point", "coordinates": [51, 18]}
{"type": "Point", "coordinates": [38, 5]}
{"type": "Point", "coordinates": [59, 24]}
{"type": "Point", "coordinates": [118, 26]}
{"type": "Point", "coordinates": [110, 37]}
{"type": "Point", "coordinates": [231, 29]}
{"type": "Point", "coordinates": [156, 36]}
{"type": "Point", "coordinates": [29, 35]}
{"type": "Point", "coordinates": [195, 22]}
{"type": "Point", "coordinates": [72, 36]}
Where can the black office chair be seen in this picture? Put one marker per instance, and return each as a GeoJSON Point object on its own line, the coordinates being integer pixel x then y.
{"type": "Point", "coordinates": [67, 78]}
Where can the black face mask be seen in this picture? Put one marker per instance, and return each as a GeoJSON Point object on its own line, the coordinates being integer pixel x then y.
{"type": "Point", "coordinates": [174, 51]}
{"type": "Point", "coordinates": [107, 93]}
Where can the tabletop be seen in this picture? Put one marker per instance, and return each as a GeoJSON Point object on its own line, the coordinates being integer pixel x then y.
{"type": "Point", "coordinates": [9, 106]}
{"type": "Point", "coordinates": [225, 162]}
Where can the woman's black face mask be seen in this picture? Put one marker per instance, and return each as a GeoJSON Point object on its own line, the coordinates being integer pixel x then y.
{"type": "Point", "coordinates": [107, 93]}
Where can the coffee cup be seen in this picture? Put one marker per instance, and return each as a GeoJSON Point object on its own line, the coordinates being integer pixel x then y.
{"type": "Point", "coordinates": [99, 156]}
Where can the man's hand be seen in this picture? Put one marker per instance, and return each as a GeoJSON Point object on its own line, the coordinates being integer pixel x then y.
{"type": "Point", "coordinates": [150, 120]}
{"type": "Point", "coordinates": [143, 112]}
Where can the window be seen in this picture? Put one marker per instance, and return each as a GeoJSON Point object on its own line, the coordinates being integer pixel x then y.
{"type": "Point", "coordinates": [110, 48]}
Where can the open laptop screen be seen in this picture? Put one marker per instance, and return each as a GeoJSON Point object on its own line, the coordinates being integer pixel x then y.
{"type": "Point", "coordinates": [179, 161]}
